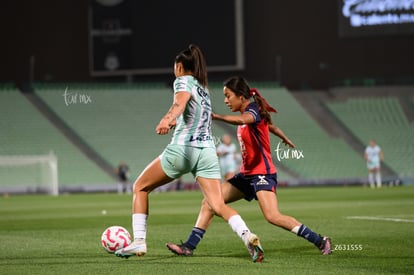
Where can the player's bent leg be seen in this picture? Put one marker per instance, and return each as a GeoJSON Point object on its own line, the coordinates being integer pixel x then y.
{"type": "Point", "coordinates": [206, 214]}
{"type": "Point", "coordinates": [269, 206]}
{"type": "Point", "coordinates": [212, 193]}
{"type": "Point", "coordinates": [237, 224]}
{"type": "Point", "coordinates": [152, 177]}
{"type": "Point", "coordinates": [251, 240]}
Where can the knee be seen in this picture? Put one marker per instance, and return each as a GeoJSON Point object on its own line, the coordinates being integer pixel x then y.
{"type": "Point", "coordinates": [214, 208]}
{"type": "Point", "coordinates": [135, 188]}
{"type": "Point", "coordinates": [274, 218]}
{"type": "Point", "coordinates": [206, 207]}
{"type": "Point", "coordinates": [140, 186]}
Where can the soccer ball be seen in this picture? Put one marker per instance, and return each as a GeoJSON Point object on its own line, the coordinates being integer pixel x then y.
{"type": "Point", "coordinates": [114, 238]}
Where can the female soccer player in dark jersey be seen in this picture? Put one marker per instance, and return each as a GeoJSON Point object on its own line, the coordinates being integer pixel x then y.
{"type": "Point", "coordinates": [257, 178]}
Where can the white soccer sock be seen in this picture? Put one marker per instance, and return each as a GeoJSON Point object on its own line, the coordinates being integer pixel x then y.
{"type": "Point", "coordinates": [238, 225]}
{"type": "Point", "coordinates": [378, 179]}
{"type": "Point", "coordinates": [371, 179]}
{"type": "Point", "coordinates": [295, 229]}
{"type": "Point", "coordinates": [139, 226]}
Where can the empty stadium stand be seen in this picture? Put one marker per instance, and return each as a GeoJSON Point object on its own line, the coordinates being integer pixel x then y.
{"type": "Point", "coordinates": [25, 131]}
{"type": "Point", "coordinates": [118, 121]}
{"type": "Point", "coordinates": [383, 119]}
{"type": "Point", "coordinates": [92, 127]}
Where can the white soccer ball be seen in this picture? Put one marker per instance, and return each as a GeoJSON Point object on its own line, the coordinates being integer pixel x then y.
{"type": "Point", "coordinates": [114, 238]}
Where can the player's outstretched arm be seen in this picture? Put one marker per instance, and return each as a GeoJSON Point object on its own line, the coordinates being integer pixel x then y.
{"type": "Point", "coordinates": [278, 132]}
{"type": "Point", "coordinates": [245, 118]}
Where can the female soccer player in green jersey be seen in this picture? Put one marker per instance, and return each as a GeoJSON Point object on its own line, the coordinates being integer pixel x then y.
{"type": "Point", "coordinates": [192, 149]}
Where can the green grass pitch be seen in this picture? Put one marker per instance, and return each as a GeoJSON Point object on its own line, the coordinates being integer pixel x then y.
{"type": "Point", "coordinates": [372, 233]}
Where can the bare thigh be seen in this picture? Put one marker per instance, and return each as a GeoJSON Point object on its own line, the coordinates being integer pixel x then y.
{"type": "Point", "coordinates": [152, 177]}
{"type": "Point", "coordinates": [230, 193]}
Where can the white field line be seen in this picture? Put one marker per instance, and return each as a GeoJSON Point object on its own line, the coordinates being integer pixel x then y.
{"type": "Point", "coordinates": [378, 219]}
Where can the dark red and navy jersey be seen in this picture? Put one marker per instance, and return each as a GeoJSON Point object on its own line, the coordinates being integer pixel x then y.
{"type": "Point", "coordinates": [254, 142]}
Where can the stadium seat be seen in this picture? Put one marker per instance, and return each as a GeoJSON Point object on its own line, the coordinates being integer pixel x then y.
{"type": "Point", "coordinates": [27, 132]}
{"type": "Point", "coordinates": [383, 119]}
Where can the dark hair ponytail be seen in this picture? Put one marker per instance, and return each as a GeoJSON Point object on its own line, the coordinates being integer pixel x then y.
{"type": "Point", "coordinates": [240, 87]}
{"type": "Point", "coordinates": [193, 61]}
{"type": "Point", "coordinates": [263, 109]}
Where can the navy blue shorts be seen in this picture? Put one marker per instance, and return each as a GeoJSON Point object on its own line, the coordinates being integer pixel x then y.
{"type": "Point", "coordinates": [250, 184]}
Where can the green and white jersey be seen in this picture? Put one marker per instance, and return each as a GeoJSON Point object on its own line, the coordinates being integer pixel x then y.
{"type": "Point", "coordinates": [193, 126]}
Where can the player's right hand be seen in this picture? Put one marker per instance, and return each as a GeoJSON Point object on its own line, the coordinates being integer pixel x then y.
{"type": "Point", "coordinates": [163, 127]}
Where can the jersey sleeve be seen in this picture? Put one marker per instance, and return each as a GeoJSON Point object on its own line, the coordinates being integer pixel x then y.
{"type": "Point", "coordinates": [182, 84]}
{"type": "Point", "coordinates": [253, 109]}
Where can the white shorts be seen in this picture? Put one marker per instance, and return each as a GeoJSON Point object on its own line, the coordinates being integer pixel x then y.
{"type": "Point", "coordinates": [373, 165]}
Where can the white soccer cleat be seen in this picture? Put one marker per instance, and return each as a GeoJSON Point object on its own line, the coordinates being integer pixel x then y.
{"type": "Point", "coordinates": [252, 243]}
{"type": "Point", "coordinates": [137, 247]}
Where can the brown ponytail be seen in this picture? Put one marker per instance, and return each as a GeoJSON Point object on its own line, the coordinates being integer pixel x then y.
{"type": "Point", "coordinates": [264, 112]}
{"type": "Point", "coordinates": [193, 60]}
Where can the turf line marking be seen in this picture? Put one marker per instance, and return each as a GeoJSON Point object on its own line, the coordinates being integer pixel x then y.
{"type": "Point", "coordinates": [377, 219]}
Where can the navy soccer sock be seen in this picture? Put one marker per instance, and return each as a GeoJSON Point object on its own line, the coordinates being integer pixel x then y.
{"type": "Point", "coordinates": [195, 237]}
{"type": "Point", "coordinates": [311, 236]}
